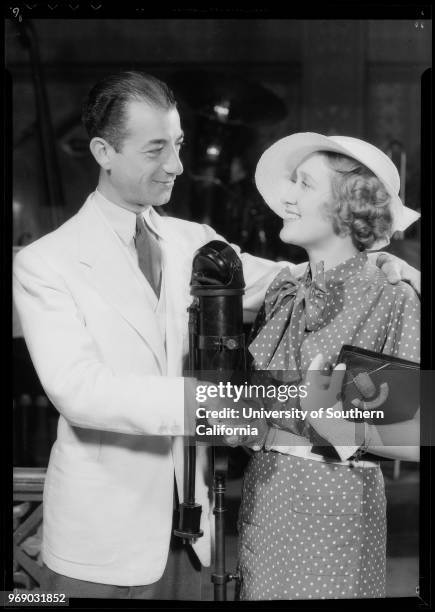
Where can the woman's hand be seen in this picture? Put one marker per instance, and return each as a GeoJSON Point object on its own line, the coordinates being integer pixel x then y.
{"type": "Point", "coordinates": [324, 392]}
{"type": "Point", "coordinates": [395, 441]}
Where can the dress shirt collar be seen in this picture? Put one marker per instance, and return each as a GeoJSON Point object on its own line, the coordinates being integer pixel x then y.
{"type": "Point", "coordinates": [152, 219]}
{"type": "Point", "coordinates": [123, 221]}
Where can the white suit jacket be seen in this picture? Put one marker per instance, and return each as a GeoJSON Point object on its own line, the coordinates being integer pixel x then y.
{"type": "Point", "coordinates": [94, 340]}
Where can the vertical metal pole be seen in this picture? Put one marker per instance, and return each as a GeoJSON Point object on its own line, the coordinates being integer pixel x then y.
{"type": "Point", "coordinates": [191, 468]}
{"type": "Point", "coordinates": [220, 577]}
{"type": "Point", "coordinates": [190, 512]}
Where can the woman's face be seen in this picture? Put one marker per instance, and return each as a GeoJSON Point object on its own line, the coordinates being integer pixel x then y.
{"type": "Point", "coordinates": [303, 199]}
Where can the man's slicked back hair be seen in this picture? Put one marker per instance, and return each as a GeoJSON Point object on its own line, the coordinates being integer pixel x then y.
{"type": "Point", "coordinates": [104, 110]}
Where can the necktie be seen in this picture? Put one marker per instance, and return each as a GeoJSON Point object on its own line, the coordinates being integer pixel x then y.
{"type": "Point", "coordinates": [149, 254]}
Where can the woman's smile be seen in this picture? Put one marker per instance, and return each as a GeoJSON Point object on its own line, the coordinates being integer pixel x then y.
{"type": "Point", "coordinates": [291, 216]}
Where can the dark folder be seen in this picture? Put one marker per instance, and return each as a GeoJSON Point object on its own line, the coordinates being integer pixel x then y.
{"type": "Point", "coordinates": [384, 383]}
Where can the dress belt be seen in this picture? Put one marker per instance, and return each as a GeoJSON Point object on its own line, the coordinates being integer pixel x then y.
{"type": "Point", "coordinates": [288, 443]}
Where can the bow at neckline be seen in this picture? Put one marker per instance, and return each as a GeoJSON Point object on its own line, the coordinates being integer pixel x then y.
{"type": "Point", "coordinates": [293, 307]}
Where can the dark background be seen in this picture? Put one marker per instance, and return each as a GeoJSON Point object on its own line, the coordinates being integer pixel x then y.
{"type": "Point", "coordinates": [354, 77]}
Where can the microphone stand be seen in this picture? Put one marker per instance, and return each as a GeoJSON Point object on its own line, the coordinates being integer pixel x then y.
{"type": "Point", "coordinates": [190, 511]}
{"type": "Point", "coordinates": [216, 343]}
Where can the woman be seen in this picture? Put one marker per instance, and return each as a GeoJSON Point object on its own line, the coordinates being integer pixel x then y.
{"type": "Point", "coordinates": [311, 526]}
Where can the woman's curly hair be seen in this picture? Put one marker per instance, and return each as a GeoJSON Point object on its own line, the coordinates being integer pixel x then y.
{"type": "Point", "coordinates": [360, 203]}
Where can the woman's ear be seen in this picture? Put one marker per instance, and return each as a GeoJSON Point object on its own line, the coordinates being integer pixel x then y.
{"type": "Point", "coordinates": [102, 151]}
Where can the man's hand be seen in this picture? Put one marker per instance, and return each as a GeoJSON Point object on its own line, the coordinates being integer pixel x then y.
{"type": "Point", "coordinates": [254, 442]}
{"type": "Point", "coordinates": [231, 415]}
{"type": "Point", "coordinates": [396, 269]}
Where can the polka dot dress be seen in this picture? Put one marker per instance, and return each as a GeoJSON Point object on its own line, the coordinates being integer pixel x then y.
{"type": "Point", "coordinates": [352, 303]}
{"type": "Point", "coordinates": [312, 529]}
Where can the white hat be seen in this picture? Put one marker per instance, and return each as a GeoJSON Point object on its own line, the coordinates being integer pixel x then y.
{"type": "Point", "coordinates": [285, 155]}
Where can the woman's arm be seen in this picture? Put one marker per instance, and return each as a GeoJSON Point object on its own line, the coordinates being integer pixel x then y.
{"type": "Point", "coordinates": [395, 441]}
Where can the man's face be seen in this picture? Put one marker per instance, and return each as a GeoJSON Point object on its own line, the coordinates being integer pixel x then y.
{"type": "Point", "coordinates": [143, 172]}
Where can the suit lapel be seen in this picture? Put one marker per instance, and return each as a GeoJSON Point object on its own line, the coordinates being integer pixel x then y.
{"type": "Point", "coordinates": [115, 278]}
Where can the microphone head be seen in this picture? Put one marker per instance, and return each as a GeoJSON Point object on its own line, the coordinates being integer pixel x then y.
{"type": "Point", "coordinates": [216, 267]}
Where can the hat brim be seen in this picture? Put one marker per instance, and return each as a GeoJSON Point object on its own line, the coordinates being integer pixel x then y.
{"type": "Point", "coordinates": [284, 156]}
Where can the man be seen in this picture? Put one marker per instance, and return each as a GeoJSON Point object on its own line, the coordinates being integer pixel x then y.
{"type": "Point", "coordinates": [103, 305]}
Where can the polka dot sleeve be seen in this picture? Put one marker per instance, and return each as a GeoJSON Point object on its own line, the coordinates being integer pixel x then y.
{"type": "Point", "coordinates": [403, 332]}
